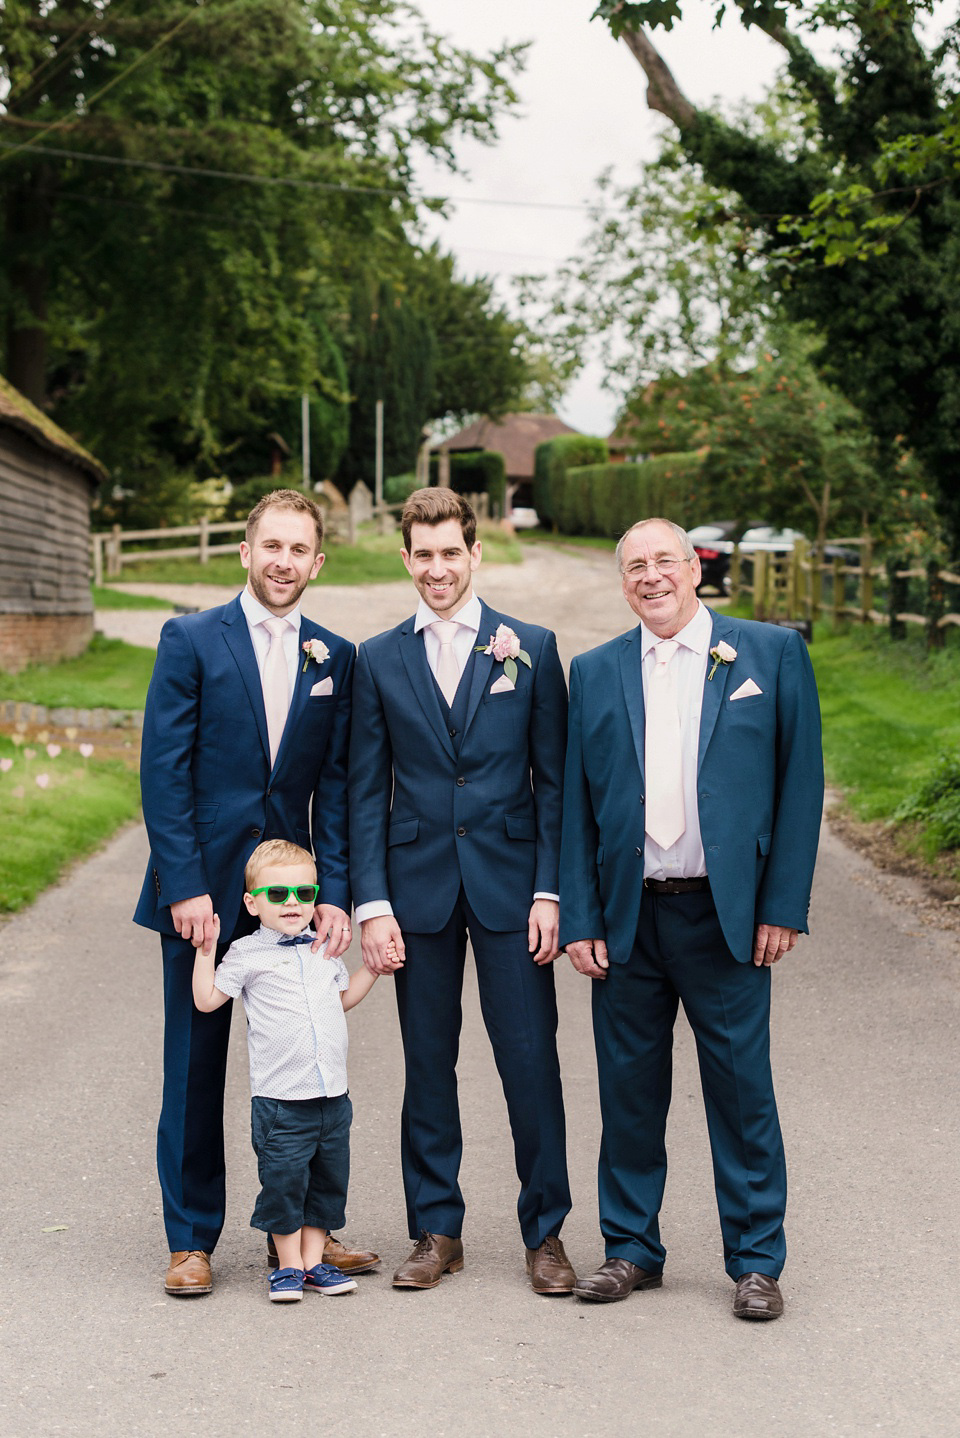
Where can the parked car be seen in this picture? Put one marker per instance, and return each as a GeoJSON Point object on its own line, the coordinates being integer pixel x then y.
{"type": "Point", "coordinates": [714, 545]}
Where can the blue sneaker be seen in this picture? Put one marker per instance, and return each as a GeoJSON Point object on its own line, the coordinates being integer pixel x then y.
{"type": "Point", "coordinates": [324, 1278]}
{"type": "Point", "coordinates": [286, 1285]}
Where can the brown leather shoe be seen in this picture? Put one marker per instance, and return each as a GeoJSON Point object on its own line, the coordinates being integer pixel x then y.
{"type": "Point", "coordinates": [348, 1260]}
{"type": "Point", "coordinates": [549, 1268]}
{"type": "Point", "coordinates": [189, 1273]}
{"type": "Point", "coordinates": [433, 1255]}
{"type": "Point", "coordinates": [615, 1278]}
{"type": "Point", "coordinates": [757, 1296]}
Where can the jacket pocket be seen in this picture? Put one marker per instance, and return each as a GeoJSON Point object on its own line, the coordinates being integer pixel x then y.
{"type": "Point", "coordinates": [402, 831]}
{"type": "Point", "coordinates": [521, 826]}
{"type": "Point", "coordinates": [763, 844]}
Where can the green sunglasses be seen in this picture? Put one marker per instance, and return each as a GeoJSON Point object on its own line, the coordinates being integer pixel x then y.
{"type": "Point", "coordinates": [280, 893]}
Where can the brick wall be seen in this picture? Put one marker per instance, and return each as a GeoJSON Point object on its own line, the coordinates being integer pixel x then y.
{"type": "Point", "coordinates": [42, 638]}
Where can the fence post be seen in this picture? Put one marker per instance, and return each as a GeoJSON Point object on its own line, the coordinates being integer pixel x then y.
{"type": "Point", "coordinates": [816, 582]}
{"type": "Point", "coordinates": [866, 578]}
{"type": "Point", "coordinates": [114, 567]}
{"type": "Point", "coordinates": [760, 584]}
{"type": "Point", "coordinates": [936, 606]}
{"type": "Point", "coordinates": [897, 600]}
{"type": "Point", "coordinates": [839, 592]}
{"type": "Point", "coordinates": [204, 539]}
{"type": "Point", "coordinates": [97, 540]}
{"type": "Point", "coordinates": [735, 575]}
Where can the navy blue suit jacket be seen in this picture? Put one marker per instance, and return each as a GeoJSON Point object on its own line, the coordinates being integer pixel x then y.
{"type": "Point", "coordinates": [760, 788]}
{"type": "Point", "coordinates": [424, 818]}
{"type": "Point", "coordinates": [209, 792]}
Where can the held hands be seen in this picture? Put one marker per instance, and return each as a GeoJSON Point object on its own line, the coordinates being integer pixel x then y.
{"type": "Point", "coordinates": [209, 948]}
{"type": "Point", "coordinates": [771, 943]}
{"type": "Point", "coordinates": [333, 925]}
{"type": "Point", "coordinates": [381, 944]}
{"type": "Point", "coordinates": [589, 956]}
{"type": "Point", "coordinates": [193, 919]}
{"type": "Point", "coordinates": [543, 927]}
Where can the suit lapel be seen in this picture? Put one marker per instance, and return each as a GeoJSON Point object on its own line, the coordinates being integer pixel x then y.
{"type": "Point", "coordinates": [631, 677]}
{"type": "Point", "coordinates": [715, 688]}
{"type": "Point", "coordinates": [237, 637]}
{"type": "Point", "coordinates": [414, 656]}
{"type": "Point", "coordinates": [489, 620]}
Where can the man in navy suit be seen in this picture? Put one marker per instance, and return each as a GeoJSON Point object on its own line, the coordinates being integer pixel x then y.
{"type": "Point", "coordinates": [456, 763]}
{"type": "Point", "coordinates": [693, 796]}
{"type": "Point", "coordinates": [245, 738]}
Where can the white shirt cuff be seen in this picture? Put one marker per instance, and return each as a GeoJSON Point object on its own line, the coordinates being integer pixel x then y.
{"type": "Point", "coordinates": [555, 898]}
{"type": "Point", "coordinates": [375, 909]}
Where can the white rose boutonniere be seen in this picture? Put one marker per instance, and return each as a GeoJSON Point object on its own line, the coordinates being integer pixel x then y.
{"type": "Point", "coordinates": [316, 650]}
{"type": "Point", "coordinates": [505, 647]}
{"type": "Point", "coordinates": [721, 654]}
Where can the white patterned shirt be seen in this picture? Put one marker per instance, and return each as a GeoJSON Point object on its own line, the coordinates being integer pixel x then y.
{"type": "Point", "coordinates": [296, 1027]}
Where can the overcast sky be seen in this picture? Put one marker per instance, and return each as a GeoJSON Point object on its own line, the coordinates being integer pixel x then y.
{"type": "Point", "coordinates": [583, 109]}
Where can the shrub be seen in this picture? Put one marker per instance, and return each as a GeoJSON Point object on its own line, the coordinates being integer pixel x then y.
{"type": "Point", "coordinates": [552, 460]}
{"type": "Point", "coordinates": [399, 487]}
{"type": "Point", "coordinates": [935, 804]}
{"type": "Point", "coordinates": [481, 471]}
{"type": "Point", "coordinates": [605, 499]}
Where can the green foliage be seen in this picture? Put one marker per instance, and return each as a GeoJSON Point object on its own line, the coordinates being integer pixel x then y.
{"type": "Point", "coordinates": [399, 487]}
{"type": "Point", "coordinates": [551, 461]}
{"type": "Point", "coordinates": [481, 471]}
{"type": "Point", "coordinates": [935, 804]}
{"type": "Point", "coordinates": [605, 499]}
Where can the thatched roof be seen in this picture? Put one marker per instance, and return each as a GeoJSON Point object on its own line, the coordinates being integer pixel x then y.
{"type": "Point", "coordinates": [16, 412]}
{"type": "Point", "coordinates": [515, 436]}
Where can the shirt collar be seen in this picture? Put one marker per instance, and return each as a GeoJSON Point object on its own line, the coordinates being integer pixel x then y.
{"type": "Point", "coordinates": [469, 616]}
{"type": "Point", "coordinates": [255, 613]}
{"type": "Point", "coordinates": [694, 635]}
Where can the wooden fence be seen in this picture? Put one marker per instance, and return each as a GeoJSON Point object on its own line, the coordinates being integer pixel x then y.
{"type": "Point", "coordinates": [801, 586]}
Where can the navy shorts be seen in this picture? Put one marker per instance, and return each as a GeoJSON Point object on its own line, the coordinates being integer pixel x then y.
{"type": "Point", "coordinates": [303, 1159]}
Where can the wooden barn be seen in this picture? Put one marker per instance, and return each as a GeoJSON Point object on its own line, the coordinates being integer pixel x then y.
{"type": "Point", "coordinates": [47, 481]}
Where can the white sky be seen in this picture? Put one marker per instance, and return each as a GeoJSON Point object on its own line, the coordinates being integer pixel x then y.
{"type": "Point", "coordinates": [583, 109]}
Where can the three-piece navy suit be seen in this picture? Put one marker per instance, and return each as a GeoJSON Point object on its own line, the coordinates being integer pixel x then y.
{"type": "Point", "coordinates": [760, 797]}
{"type": "Point", "coordinates": [210, 796]}
{"type": "Point", "coordinates": [455, 816]}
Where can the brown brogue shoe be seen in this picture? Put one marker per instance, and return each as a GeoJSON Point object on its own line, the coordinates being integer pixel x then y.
{"type": "Point", "coordinates": [757, 1295]}
{"type": "Point", "coordinates": [348, 1260]}
{"type": "Point", "coordinates": [615, 1278]}
{"type": "Point", "coordinates": [433, 1255]}
{"type": "Point", "coordinates": [189, 1273]}
{"type": "Point", "coordinates": [549, 1268]}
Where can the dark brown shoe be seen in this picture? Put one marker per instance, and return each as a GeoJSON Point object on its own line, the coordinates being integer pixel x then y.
{"type": "Point", "coordinates": [757, 1296]}
{"type": "Point", "coordinates": [549, 1268]}
{"type": "Point", "coordinates": [348, 1260]}
{"type": "Point", "coordinates": [433, 1255]}
{"type": "Point", "coordinates": [614, 1279]}
{"type": "Point", "coordinates": [189, 1273]}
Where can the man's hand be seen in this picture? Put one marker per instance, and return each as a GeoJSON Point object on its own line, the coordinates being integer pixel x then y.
{"type": "Point", "coordinates": [771, 943]}
{"type": "Point", "coordinates": [543, 927]}
{"type": "Point", "coordinates": [333, 925]}
{"type": "Point", "coordinates": [376, 937]}
{"type": "Point", "coordinates": [193, 919]}
{"type": "Point", "coordinates": [589, 956]}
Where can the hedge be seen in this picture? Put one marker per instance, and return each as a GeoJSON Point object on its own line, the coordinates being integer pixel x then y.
{"type": "Point", "coordinates": [551, 461]}
{"type": "Point", "coordinates": [605, 499]}
{"type": "Point", "coordinates": [481, 471]}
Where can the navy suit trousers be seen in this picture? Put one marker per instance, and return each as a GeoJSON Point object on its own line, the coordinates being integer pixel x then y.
{"type": "Point", "coordinates": [519, 1006]}
{"type": "Point", "coordinates": [680, 955]}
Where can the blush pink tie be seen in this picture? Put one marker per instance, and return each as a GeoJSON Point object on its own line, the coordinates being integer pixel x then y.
{"type": "Point", "coordinates": [448, 670]}
{"type": "Point", "coordinates": [665, 820]}
{"type": "Point", "coordinates": [276, 685]}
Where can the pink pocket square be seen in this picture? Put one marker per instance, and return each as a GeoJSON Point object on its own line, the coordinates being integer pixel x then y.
{"type": "Point", "coordinates": [322, 686]}
{"type": "Point", "coordinates": [502, 686]}
{"type": "Point", "coordinates": [746, 689]}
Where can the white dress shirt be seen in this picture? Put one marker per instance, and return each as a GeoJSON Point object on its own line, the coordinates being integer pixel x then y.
{"type": "Point", "coordinates": [256, 615]}
{"type": "Point", "coordinates": [684, 859]}
{"type": "Point", "coordinates": [296, 1027]}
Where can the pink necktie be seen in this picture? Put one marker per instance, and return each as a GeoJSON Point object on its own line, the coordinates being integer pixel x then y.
{"type": "Point", "coordinates": [448, 670]}
{"type": "Point", "coordinates": [276, 685]}
{"type": "Point", "coordinates": [665, 820]}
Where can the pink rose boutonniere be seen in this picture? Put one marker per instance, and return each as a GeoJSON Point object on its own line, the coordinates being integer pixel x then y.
{"type": "Point", "coordinates": [505, 648]}
{"type": "Point", "coordinates": [721, 654]}
{"type": "Point", "coordinates": [316, 650]}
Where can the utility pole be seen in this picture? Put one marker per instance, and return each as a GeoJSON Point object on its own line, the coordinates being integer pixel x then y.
{"type": "Point", "coordinates": [305, 438]}
{"type": "Point", "coordinates": [378, 462]}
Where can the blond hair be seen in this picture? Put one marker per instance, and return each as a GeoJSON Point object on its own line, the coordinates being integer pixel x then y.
{"type": "Point", "coordinates": [277, 852]}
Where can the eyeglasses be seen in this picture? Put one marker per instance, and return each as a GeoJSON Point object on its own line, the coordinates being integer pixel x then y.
{"type": "Point", "coordinates": [281, 893]}
{"type": "Point", "coordinates": [662, 566]}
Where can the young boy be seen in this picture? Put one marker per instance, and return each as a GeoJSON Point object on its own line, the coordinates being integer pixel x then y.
{"type": "Point", "coordinates": [297, 1034]}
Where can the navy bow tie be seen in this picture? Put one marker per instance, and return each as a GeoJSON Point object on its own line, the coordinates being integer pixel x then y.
{"type": "Point", "coordinates": [299, 939]}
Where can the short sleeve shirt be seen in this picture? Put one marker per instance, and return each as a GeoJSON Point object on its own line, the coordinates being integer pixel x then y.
{"type": "Point", "coordinates": [296, 1027]}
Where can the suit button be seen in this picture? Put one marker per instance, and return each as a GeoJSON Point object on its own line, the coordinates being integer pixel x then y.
{"type": "Point", "coordinates": [452, 733]}
{"type": "Point", "coordinates": [269, 792]}
{"type": "Point", "coordinates": [639, 853]}
{"type": "Point", "coordinates": [460, 781]}
{"type": "Point", "coordinates": [461, 831]}
{"type": "Point", "coordinates": [254, 833]}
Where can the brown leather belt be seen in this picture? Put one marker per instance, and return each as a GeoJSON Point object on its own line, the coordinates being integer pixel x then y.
{"type": "Point", "coordinates": [677, 886]}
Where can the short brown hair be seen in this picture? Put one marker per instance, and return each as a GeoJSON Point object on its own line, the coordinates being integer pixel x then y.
{"type": "Point", "coordinates": [434, 506]}
{"type": "Point", "coordinates": [285, 499]}
{"type": "Point", "coordinates": [274, 851]}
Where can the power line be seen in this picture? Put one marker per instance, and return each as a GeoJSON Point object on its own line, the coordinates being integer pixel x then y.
{"type": "Point", "coordinates": [327, 186]}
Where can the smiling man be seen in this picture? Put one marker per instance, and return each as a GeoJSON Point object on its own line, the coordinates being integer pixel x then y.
{"type": "Point", "coordinates": [692, 801]}
{"type": "Point", "coordinates": [456, 763]}
{"type": "Point", "coordinates": [245, 739]}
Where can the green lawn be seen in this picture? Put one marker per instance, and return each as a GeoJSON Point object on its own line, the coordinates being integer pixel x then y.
{"type": "Point", "coordinates": [110, 675]}
{"type": "Point", "coordinates": [104, 598]}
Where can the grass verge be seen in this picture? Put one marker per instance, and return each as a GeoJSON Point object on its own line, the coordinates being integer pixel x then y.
{"type": "Point", "coordinates": [110, 675]}
{"type": "Point", "coordinates": [104, 598]}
